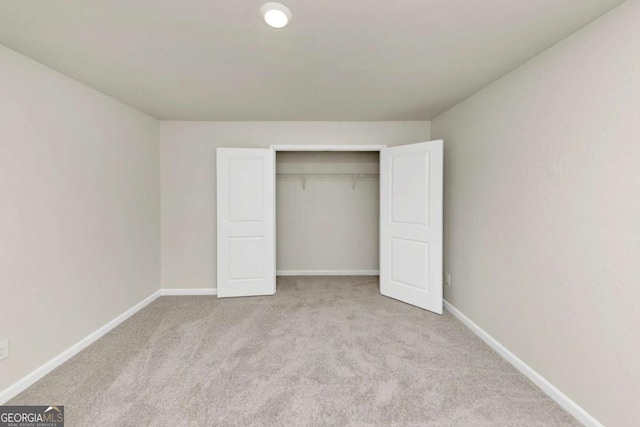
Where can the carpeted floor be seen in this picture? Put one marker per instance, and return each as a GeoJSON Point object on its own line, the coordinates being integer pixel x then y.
{"type": "Point", "coordinates": [322, 351]}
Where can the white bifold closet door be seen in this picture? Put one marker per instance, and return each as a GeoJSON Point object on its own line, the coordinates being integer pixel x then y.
{"type": "Point", "coordinates": [245, 222]}
{"type": "Point", "coordinates": [411, 184]}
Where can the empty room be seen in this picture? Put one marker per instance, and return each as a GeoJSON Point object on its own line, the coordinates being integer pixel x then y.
{"type": "Point", "coordinates": [296, 213]}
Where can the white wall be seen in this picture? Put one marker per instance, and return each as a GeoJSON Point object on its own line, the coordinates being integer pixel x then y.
{"type": "Point", "coordinates": [188, 179]}
{"type": "Point", "coordinates": [542, 213]}
{"type": "Point", "coordinates": [79, 211]}
{"type": "Point", "coordinates": [328, 226]}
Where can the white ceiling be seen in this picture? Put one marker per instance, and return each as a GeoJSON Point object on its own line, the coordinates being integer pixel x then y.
{"type": "Point", "coordinates": [337, 60]}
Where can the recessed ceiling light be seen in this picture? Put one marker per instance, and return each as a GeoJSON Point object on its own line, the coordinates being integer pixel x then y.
{"type": "Point", "coordinates": [276, 15]}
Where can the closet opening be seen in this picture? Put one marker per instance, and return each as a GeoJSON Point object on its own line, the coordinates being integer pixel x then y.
{"type": "Point", "coordinates": [323, 210]}
{"type": "Point", "coordinates": [327, 209]}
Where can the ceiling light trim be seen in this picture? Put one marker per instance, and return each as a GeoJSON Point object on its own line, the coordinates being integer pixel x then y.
{"type": "Point", "coordinates": [276, 15]}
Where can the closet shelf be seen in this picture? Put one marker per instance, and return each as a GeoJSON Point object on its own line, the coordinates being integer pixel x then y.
{"type": "Point", "coordinates": [304, 177]}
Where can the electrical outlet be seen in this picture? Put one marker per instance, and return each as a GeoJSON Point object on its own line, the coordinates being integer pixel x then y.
{"type": "Point", "coordinates": [447, 279]}
{"type": "Point", "coordinates": [4, 348]}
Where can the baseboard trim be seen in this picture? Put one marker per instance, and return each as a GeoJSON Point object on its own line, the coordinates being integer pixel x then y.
{"type": "Point", "coordinates": [549, 389]}
{"type": "Point", "coordinates": [186, 292]}
{"type": "Point", "coordinates": [327, 273]}
{"type": "Point", "coordinates": [36, 375]}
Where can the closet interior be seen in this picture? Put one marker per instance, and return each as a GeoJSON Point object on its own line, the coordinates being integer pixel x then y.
{"type": "Point", "coordinates": [327, 212]}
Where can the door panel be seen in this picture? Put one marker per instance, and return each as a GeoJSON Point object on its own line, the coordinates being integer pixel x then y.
{"type": "Point", "coordinates": [411, 224]}
{"type": "Point", "coordinates": [408, 202]}
{"type": "Point", "coordinates": [246, 178]}
{"type": "Point", "coordinates": [245, 222]}
{"type": "Point", "coordinates": [404, 255]}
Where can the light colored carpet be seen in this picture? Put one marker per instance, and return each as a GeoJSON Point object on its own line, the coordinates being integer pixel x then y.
{"type": "Point", "coordinates": [322, 351]}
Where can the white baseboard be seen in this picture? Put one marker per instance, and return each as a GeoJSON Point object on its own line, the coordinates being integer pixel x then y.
{"type": "Point", "coordinates": [185, 292]}
{"type": "Point", "coordinates": [327, 273]}
{"type": "Point", "coordinates": [28, 380]}
{"type": "Point", "coordinates": [559, 397]}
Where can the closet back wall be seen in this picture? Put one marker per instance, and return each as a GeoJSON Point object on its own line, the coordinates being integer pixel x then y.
{"type": "Point", "coordinates": [187, 151]}
{"type": "Point", "coordinates": [328, 226]}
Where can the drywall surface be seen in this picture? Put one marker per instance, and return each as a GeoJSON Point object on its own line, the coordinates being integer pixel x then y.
{"type": "Point", "coordinates": [542, 208]}
{"type": "Point", "coordinates": [188, 179]}
{"type": "Point", "coordinates": [330, 223]}
{"type": "Point", "coordinates": [79, 211]}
